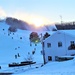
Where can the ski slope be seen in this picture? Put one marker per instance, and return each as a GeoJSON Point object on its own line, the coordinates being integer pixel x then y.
{"type": "Point", "coordinates": [9, 47]}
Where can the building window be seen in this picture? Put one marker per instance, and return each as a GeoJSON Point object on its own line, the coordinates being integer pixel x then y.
{"type": "Point", "coordinates": [72, 42]}
{"type": "Point", "coordinates": [72, 46]}
{"type": "Point", "coordinates": [48, 45]}
{"type": "Point", "coordinates": [59, 44]}
{"type": "Point", "coordinates": [49, 58]}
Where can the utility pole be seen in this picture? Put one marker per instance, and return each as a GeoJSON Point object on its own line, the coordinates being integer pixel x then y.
{"type": "Point", "coordinates": [43, 48]}
{"type": "Point", "coordinates": [43, 53]}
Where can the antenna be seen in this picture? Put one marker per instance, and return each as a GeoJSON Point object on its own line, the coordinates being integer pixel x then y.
{"type": "Point", "coordinates": [61, 18]}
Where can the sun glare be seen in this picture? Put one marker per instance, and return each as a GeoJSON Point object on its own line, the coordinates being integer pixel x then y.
{"type": "Point", "coordinates": [37, 22]}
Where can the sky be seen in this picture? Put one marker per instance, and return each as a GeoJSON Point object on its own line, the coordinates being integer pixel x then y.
{"type": "Point", "coordinates": [39, 11]}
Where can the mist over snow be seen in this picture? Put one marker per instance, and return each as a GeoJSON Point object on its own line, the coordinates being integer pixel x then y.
{"type": "Point", "coordinates": [19, 24]}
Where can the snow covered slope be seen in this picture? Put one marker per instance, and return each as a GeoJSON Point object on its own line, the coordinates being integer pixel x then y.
{"type": "Point", "coordinates": [11, 45]}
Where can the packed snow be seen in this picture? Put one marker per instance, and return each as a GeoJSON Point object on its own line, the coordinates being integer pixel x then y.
{"type": "Point", "coordinates": [52, 68]}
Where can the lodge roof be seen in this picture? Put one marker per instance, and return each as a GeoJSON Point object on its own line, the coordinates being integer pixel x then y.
{"type": "Point", "coordinates": [68, 32]}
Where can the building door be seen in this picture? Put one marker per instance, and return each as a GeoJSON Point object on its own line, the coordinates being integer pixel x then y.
{"type": "Point", "coordinates": [49, 58]}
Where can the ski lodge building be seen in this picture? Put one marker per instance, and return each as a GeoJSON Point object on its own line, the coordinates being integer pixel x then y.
{"type": "Point", "coordinates": [60, 43]}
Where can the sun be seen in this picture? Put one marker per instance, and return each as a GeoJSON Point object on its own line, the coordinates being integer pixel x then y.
{"type": "Point", "coordinates": [37, 22]}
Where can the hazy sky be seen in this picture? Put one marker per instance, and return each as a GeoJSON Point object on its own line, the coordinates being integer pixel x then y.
{"type": "Point", "coordinates": [47, 9]}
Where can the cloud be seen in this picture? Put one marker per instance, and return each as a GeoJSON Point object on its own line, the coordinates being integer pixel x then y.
{"type": "Point", "coordinates": [2, 13]}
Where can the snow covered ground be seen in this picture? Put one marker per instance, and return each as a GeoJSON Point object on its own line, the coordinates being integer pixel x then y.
{"type": "Point", "coordinates": [51, 68]}
{"type": "Point", "coordinates": [9, 47]}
